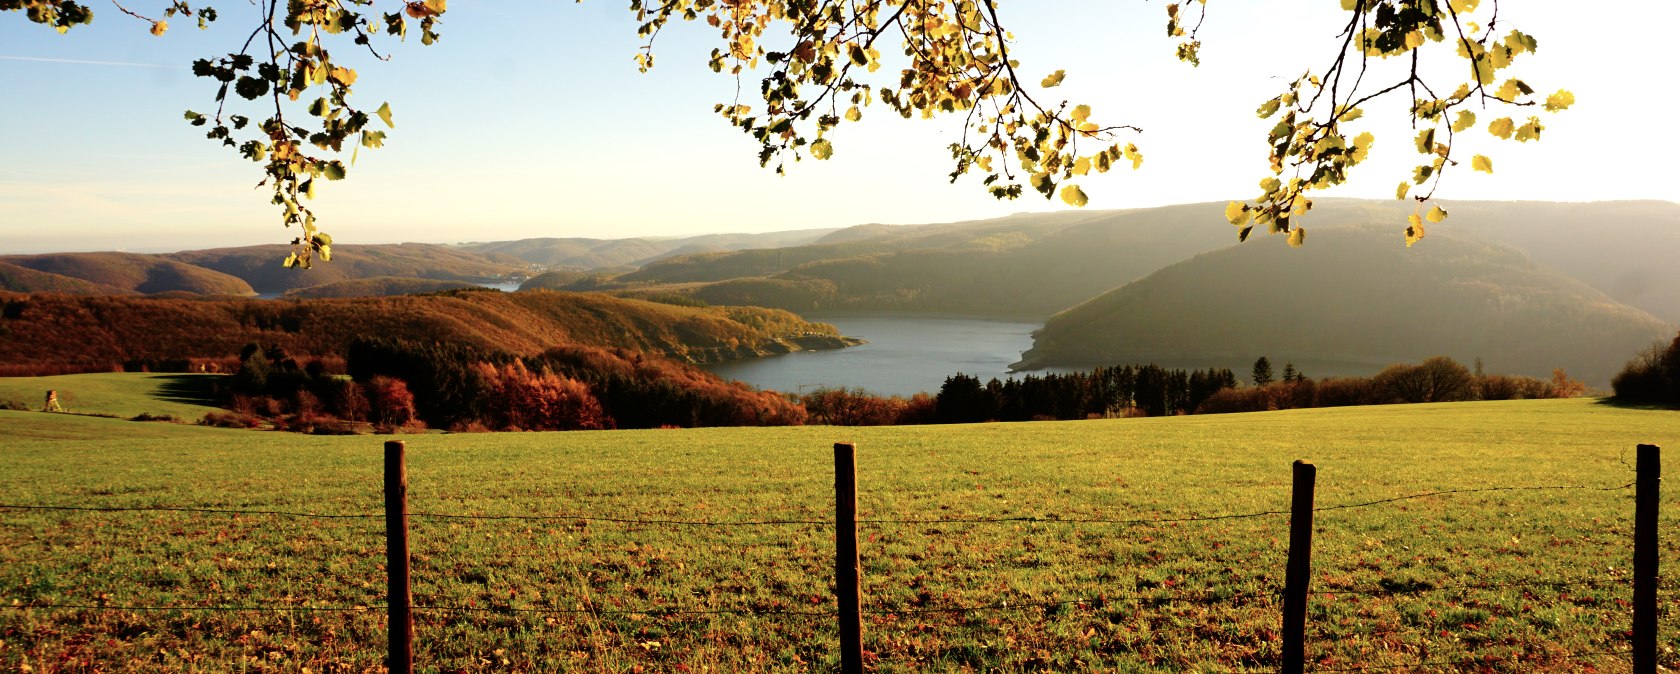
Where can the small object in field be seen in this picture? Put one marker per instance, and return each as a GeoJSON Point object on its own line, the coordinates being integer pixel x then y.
{"type": "Point", "coordinates": [52, 403]}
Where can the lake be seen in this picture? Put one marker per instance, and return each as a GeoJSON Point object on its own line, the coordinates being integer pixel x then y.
{"type": "Point", "coordinates": [906, 354]}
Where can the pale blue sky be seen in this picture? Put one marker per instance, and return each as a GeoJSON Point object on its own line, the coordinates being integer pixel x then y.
{"type": "Point", "coordinates": [529, 119]}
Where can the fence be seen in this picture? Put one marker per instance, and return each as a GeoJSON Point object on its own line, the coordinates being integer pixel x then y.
{"type": "Point", "coordinates": [849, 614]}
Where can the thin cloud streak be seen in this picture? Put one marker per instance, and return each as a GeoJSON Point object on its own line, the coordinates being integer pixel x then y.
{"type": "Point", "coordinates": [124, 64]}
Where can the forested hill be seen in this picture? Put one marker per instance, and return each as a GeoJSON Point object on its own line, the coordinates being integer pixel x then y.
{"type": "Point", "coordinates": [48, 329]}
{"type": "Point", "coordinates": [118, 273]}
{"type": "Point", "coordinates": [1037, 264]}
{"type": "Point", "coordinates": [1356, 295]}
{"type": "Point", "coordinates": [1027, 265]}
{"type": "Point", "coordinates": [260, 265]}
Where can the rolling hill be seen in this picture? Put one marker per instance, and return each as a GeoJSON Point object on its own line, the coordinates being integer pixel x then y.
{"type": "Point", "coordinates": [133, 273]}
{"type": "Point", "coordinates": [1625, 249]}
{"type": "Point", "coordinates": [25, 280]}
{"type": "Point", "coordinates": [1033, 265]}
{"type": "Point", "coordinates": [260, 265]}
{"type": "Point", "coordinates": [586, 254]}
{"type": "Point", "coordinates": [1355, 297]}
{"type": "Point", "coordinates": [65, 329]}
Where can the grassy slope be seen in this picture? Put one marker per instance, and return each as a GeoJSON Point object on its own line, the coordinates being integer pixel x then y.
{"type": "Point", "coordinates": [1143, 468]}
{"type": "Point", "coordinates": [124, 394]}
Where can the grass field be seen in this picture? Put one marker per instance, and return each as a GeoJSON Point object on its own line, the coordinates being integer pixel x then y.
{"type": "Point", "coordinates": [1519, 580]}
{"type": "Point", "coordinates": [183, 396]}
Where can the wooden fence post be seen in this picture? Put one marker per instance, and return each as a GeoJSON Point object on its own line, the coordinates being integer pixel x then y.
{"type": "Point", "coordinates": [400, 657]}
{"type": "Point", "coordinates": [1298, 575]}
{"type": "Point", "coordinates": [1645, 504]}
{"type": "Point", "coordinates": [847, 585]}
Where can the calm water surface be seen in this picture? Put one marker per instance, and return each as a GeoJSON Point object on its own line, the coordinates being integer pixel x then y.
{"type": "Point", "coordinates": [906, 354]}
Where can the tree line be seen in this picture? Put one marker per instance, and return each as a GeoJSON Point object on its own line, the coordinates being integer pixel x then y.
{"type": "Point", "coordinates": [392, 385]}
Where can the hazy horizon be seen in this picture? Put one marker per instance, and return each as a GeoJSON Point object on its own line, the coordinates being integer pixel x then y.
{"type": "Point", "coordinates": [164, 249]}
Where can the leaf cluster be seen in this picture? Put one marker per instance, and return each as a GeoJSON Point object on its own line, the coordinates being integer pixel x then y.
{"type": "Point", "coordinates": [1311, 150]}
{"type": "Point", "coordinates": [828, 66]}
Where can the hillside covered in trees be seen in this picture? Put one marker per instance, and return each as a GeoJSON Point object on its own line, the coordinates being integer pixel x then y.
{"type": "Point", "coordinates": [97, 332]}
{"type": "Point", "coordinates": [1034, 265]}
{"type": "Point", "coordinates": [1355, 296]}
{"type": "Point", "coordinates": [117, 274]}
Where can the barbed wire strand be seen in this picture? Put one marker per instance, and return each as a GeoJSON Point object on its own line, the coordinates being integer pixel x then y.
{"type": "Point", "coordinates": [1427, 666]}
{"type": "Point", "coordinates": [1097, 602]}
{"type": "Point", "coordinates": [230, 609]}
{"type": "Point", "coordinates": [808, 522]}
{"type": "Point", "coordinates": [1385, 592]}
{"type": "Point", "coordinates": [214, 511]}
{"type": "Point", "coordinates": [643, 611]}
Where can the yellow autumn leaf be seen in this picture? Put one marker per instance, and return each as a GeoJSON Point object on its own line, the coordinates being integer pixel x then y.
{"type": "Point", "coordinates": [853, 114]}
{"type": "Point", "coordinates": [1559, 101]}
{"type": "Point", "coordinates": [1436, 214]}
{"type": "Point", "coordinates": [1426, 141]}
{"type": "Point", "coordinates": [1481, 163]}
{"type": "Point", "coordinates": [158, 27]}
{"type": "Point", "coordinates": [1054, 79]}
{"type": "Point", "coordinates": [1074, 196]}
{"type": "Point", "coordinates": [1415, 231]}
{"type": "Point", "coordinates": [821, 149]}
{"type": "Point", "coordinates": [1466, 119]}
{"type": "Point", "coordinates": [1237, 213]}
{"type": "Point", "coordinates": [1133, 154]}
{"type": "Point", "coordinates": [1502, 127]}
{"type": "Point", "coordinates": [1297, 237]}
{"type": "Point", "coordinates": [1400, 192]}
{"type": "Point", "coordinates": [1269, 185]}
{"type": "Point", "coordinates": [1362, 146]}
{"type": "Point", "coordinates": [1080, 113]}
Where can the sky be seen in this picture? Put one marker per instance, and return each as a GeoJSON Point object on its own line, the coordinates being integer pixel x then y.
{"type": "Point", "coordinates": [529, 119]}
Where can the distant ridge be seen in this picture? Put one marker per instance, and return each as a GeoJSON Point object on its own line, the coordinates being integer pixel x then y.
{"type": "Point", "coordinates": [133, 273]}
{"type": "Point", "coordinates": [1355, 295]}
{"type": "Point", "coordinates": [589, 254]}
{"type": "Point", "coordinates": [25, 280]}
{"type": "Point", "coordinates": [260, 265]}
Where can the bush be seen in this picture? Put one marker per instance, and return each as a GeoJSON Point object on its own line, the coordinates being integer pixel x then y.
{"type": "Point", "coordinates": [148, 416]}
{"type": "Point", "coordinates": [851, 407]}
{"type": "Point", "coordinates": [229, 420]}
{"type": "Point", "coordinates": [1508, 387]}
{"type": "Point", "coordinates": [1436, 379]}
{"type": "Point", "coordinates": [1348, 391]}
{"type": "Point", "coordinates": [1233, 400]}
{"type": "Point", "coordinates": [1651, 378]}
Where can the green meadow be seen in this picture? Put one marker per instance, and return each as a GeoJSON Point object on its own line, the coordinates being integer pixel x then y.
{"type": "Point", "coordinates": [650, 551]}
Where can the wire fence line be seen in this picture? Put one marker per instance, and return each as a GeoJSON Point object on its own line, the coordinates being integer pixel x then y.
{"type": "Point", "coordinates": [1514, 658]}
{"type": "Point", "coordinates": [1100, 602]}
{"type": "Point", "coordinates": [1031, 519]}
